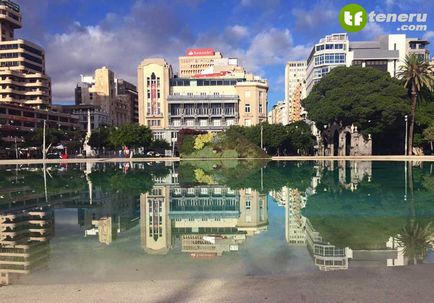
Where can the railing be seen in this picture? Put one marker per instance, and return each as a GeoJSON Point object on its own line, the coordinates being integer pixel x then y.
{"type": "Point", "coordinates": [199, 97]}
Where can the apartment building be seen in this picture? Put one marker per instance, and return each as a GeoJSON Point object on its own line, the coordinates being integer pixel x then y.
{"type": "Point", "coordinates": [295, 91]}
{"type": "Point", "coordinates": [213, 100]}
{"type": "Point", "coordinates": [22, 63]}
{"type": "Point", "coordinates": [387, 54]}
{"type": "Point", "coordinates": [115, 97]}
{"type": "Point", "coordinates": [278, 113]}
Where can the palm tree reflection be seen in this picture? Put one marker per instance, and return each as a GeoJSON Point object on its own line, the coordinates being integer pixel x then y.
{"type": "Point", "coordinates": [416, 238]}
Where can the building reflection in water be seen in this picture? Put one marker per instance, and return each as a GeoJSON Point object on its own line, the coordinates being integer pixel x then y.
{"type": "Point", "coordinates": [205, 221]}
{"type": "Point", "coordinates": [326, 256]}
{"type": "Point", "coordinates": [25, 231]}
{"type": "Point", "coordinates": [200, 220]}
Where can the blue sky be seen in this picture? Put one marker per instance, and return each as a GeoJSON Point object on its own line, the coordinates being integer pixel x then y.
{"type": "Point", "coordinates": [82, 35]}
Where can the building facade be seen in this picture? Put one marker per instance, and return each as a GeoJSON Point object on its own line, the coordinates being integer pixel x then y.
{"type": "Point", "coordinates": [278, 113]}
{"type": "Point", "coordinates": [22, 63]}
{"type": "Point", "coordinates": [213, 100]}
{"type": "Point", "coordinates": [295, 91]}
{"type": "Point", "coordinates": [197, 60]}
{"type": "Point", "coordinates": [115, 97]}
{"type": "Point", "coordinates": [17, 120]}
{"type": "Point", "coordinates": [387, 54]}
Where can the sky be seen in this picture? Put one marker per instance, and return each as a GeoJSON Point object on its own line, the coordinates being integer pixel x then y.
{"type": "Point", "coordinates": [82, 35]}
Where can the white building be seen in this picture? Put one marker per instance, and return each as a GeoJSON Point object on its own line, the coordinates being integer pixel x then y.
{"type": "Point", "coordinates": [387, 53]}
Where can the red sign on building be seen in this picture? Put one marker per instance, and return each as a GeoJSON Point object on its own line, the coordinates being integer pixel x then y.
{"type": "Point", "coordinates": [200, 52]}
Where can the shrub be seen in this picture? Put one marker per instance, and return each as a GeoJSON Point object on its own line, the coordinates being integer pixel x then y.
{"type": "Point", "coordinates": [201, 140]}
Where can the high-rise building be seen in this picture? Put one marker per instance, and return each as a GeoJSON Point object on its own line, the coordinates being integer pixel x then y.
{"type": "Point", "coordinates": [213, 100]}
{"type": "Point", "coordinates": [115, 97]}
{"type": "Point", "coordinates": [22, 63]}
{"type": "Point", "coordinates": [387, 54]}
{"type": "Point", "coordinates": [197, 60]}
{"type": "Point", "coordinates": [295, 91]}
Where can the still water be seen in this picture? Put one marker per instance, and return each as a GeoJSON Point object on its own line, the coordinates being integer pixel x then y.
{"type": "Point", "coordinates": [140, 221]}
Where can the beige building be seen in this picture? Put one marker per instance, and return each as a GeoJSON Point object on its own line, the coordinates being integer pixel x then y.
{"type": "Point", "coordinates": [295, 91]}
{"type": "Point", "coordinates": [197, 60]}
{"type": "Point", "coordinates": [278, 113]}
{"type": "Point", "coordinates": [208, 220]}
{"type": "Point", "coordinates": [22, 63]}
{"type": "Point", "coordinates": [155, 224]}
{"type": "Point", "coordinates": [213, 100]}
{"type": "Point", "coordinates": [101, 90]}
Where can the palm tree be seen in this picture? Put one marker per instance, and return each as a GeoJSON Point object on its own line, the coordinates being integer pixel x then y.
{"type": "Point", "coordinates": [416, 238]}
{"type": "Point", "coordinates": [417, 75]}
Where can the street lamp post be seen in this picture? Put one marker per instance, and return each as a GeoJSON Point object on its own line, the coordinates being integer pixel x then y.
{"type": "Point", "coordinates": [173, 146]}
{"type": "Point", "coordinates": [406, 135]}
{"type": "Point", "coordinates": [262, 136]}
{"type": "Point", "coordinates": [44, 155]}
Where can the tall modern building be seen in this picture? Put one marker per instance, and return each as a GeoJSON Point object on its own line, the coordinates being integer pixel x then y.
{"type": "Point", "coordinates": [116, 98]}
{"type": "Point", "coordinates": [22, 63]}
{"type": "Point", "coordinates": [211, 100]}
{"type": "Point", "coordinates": [295, 91]}
{"type": "Point", "coordinates": [387, 54]}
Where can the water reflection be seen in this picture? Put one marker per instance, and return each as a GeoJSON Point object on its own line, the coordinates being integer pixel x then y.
{"type": "Point", "coordinates": [343, 214]}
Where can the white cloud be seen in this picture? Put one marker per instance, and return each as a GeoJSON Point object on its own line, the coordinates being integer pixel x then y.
{"type": "Point", "coordinates": [310, 20]}
{"type": "Point", "coordinates": [118, 42]}
{"type": "Point", "coordinates": [121, 42]}
{"type": "Point", "coordinates": [429, 35]}
{"type": "Point", "coordinates": [372, 30]}
{"type": "Point", "coordinates": [237, 32]}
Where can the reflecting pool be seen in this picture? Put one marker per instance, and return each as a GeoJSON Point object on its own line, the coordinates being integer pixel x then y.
{"type": "Point", "coordinates": [133, 221]}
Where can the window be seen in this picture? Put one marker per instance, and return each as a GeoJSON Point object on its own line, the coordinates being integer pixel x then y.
{"type": "Point", "coordinates": [203, 122]}
{"type": "Point", "coordinates": [158, 136]}
{"type": "Point", "coordinates": [177, 123]}
{"type": "Point", "coordinates": [190, 122]}
{"type": "Point", "coordinates": [247, 108]}
{"type": "Point", "coordinates": [247, 122]}
{"type": "Point", "coordinates": [217, 122]}
{"type": "Point", "coordinates": [248, 205]}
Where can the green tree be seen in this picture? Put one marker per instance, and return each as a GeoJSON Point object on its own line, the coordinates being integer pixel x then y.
{"type": "Point", "coordinates": [160, 144]}
{"type": "Point", "coordinates": [278, 139]}
{"type": "Point", "coordinates": [100, 137]}
{"type": "Point", "coordinates": [131, 135]}
{"type": "Point", "coordinates": [428, 134]}
{"type": "Point", "coordinates": [368, 98]}
{"type": "Point", "coordinates": [417, 75]}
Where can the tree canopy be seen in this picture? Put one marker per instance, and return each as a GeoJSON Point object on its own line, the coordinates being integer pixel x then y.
{"type": "Point", "coordinates": [292, 139]}
{"type": "Point", "coordinates": [370, 99]}
{"type": "Point", "coordinates": [131, 135]}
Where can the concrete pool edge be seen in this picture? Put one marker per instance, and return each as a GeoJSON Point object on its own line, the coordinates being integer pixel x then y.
{"type": "Point", "coordinates": [178, 159]}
